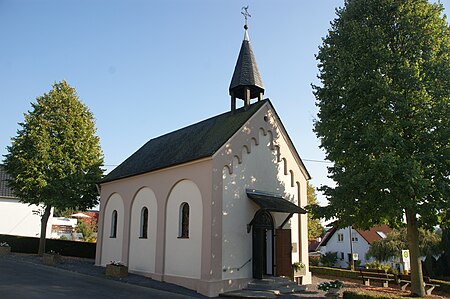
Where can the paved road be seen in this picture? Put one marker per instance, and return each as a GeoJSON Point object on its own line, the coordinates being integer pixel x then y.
{"type": "Point", "coordinates": [20, 279]}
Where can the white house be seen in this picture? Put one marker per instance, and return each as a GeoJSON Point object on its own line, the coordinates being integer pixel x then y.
{"type": "Point", "coordinates": [17, 218]}
{"type": "Point", "coordinates": [213, 205]}
{"type": "Point", "coordinates": [64, 227]}
{"type": "Point", "coordinates": [338, 240]}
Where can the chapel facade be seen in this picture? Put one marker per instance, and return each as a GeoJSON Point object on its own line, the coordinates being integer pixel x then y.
{"type": "Point", "coordinates": [213, 205]}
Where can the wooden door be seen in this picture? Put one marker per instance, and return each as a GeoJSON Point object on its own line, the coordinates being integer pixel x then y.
{"type": "Point", "coordinates": [283, 251]}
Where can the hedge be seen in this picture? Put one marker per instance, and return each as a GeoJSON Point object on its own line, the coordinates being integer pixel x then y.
{"type": "Point", "coordinates": [63, 247]}
{"type": "Point", "coordinates": [334, 272]}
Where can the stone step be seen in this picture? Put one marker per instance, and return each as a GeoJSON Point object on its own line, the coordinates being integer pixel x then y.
{"type": "Point", "coordinates": [281, 281]}
{"type": "Point", "coordinates": [268, 287]}
{"type": "Point", "coordinates": [276, 288]}
{"type": "Point", "coordinates": [246, 293]}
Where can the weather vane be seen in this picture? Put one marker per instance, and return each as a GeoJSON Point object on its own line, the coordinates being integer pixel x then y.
{"type": "Point", "coordinates": [246, 14]}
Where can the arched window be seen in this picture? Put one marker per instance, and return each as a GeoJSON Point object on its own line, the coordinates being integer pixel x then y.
{"type": "Point", "coordinates": [144, 223]}
{"type": "Point", "coordinates": [114, 224]}
{"type": "Point", "coordinates": [184, 220]}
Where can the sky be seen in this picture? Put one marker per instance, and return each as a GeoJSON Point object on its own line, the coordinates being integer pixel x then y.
{"type": "Point", "coordinates": [146, 68]}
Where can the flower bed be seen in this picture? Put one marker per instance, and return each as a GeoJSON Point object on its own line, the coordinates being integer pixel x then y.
{"type": "Point", "coordinates": [4, 248]}
{"type": "Point", "coordinates": [116, 269]}
{"type": "Point", "coordinates": [51, 258]}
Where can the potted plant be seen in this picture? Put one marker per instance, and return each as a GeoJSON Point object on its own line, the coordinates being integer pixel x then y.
{"type": "Point", "coordinates": [4, 248]}
{"type": "Point", "coordinates": [332, 288]}
{"type": "Point", "coordinates": [116, 269]}
{"type": "Point", "coordinates": [51, 258]}
{"type": "Point", "coordinates": [299, 270]}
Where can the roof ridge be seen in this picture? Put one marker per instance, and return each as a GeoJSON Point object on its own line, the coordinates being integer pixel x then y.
{"type": "Point", "coordinates": [198, 140]}
{"type": "Point", "coordinates": [237, 111]}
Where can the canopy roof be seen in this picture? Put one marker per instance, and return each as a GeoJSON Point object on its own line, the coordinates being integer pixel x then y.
{"type": "Point", "coordinates": [273, 202]}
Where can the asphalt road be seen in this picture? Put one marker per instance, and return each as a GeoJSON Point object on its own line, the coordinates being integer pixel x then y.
{"type": "Point", "coordinates": [21, 279]}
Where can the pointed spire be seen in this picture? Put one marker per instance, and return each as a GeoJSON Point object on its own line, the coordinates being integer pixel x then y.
{"type": "Point", "coordinates": [246, 83]}
{"type": "Point", "coordinates": [246, 38]}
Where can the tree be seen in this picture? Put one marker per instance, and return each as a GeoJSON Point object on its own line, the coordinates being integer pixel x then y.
{"type": "Point", "coordinates": [328, 259]}
{"type": "Point", "coordinates": [88, 230]}
{"type": "Point", "coordinates": [383, 118]}
{"type": "Point", "coordinates": [315, 228]}
{"type": "Point", "coordinates": [56, 159]}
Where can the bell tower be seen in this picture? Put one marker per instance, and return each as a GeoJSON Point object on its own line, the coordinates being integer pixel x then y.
{"type": "Point", "coordinates": [246, 83]}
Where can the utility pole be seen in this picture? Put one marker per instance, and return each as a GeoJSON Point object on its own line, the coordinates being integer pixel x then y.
{"type": "Point", "coordinates": [352, 263]}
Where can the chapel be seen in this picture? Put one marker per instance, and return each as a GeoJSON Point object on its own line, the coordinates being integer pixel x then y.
{"type": "Point", "coordinates": [214, 205]}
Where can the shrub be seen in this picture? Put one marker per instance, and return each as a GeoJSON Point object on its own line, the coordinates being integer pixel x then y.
{"type": "Point", "coordinates": [325, 286]}
{"type": "Point", "coordinates": [314, 260]}
{"type": "Point", "coordinates": [381, 266]}
{"type": "Point", "coordinates": [328, 259]}
{"type": "Point", "coordinates": [336, 272]}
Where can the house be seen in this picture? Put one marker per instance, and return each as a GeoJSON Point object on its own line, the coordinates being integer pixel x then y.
{"type": "Point", "coordinates": [64, 228]}
{"type": "Point", "coordinates": [338, 240]}
{"type": "Point", "coordinates": [313, 247]}
{"type": "Point", "coordinates": [17, 218]}
{"type": "Point", "coordinates": [214, 205]}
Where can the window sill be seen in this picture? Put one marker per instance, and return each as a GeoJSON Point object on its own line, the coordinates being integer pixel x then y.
{"type": "Point", "coordinates": [182, 237]}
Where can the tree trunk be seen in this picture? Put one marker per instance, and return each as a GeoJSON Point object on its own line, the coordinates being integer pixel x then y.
{"type": "Point", "coordinates": [417, 287]}
{"type": "Point", "coordinates": [44, 220]}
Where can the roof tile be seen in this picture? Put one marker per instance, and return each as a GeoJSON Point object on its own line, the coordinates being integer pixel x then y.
{"type": "Point", "coordinates": [191, 143]}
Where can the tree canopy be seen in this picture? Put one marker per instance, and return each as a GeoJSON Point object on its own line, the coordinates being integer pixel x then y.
{"type": "Point", "coordinates": [383, 116]}
{"type": "Point", "coordinates": [56, 159]}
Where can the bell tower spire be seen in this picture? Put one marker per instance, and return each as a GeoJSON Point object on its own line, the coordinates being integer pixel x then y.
{"type": "Point", "coordinates": [246, 83]}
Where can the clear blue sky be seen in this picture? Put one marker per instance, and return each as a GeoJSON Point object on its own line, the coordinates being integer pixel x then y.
{"type": "Point", "coordinates": [145, 68]}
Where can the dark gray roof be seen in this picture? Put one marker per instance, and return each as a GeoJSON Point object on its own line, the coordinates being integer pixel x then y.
{"type": "Point", "coordinates": [246, 73]}
{"type": "Point", "coordinates": [191, 143]}
{"type": "Point", "coordinates": [5, 190]}
{"type": "Point", "coordinates": [273, 202]}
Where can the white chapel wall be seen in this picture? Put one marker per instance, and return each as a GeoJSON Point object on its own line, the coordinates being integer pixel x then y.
{"type": "Point", "coordinates": [183, 256]}
{"type": "Point", "coordinates": [112, 247]}
{"type": "Point", "coordinates": [142, 253]}
{"type": "Point", "coordinates": [260, 170]}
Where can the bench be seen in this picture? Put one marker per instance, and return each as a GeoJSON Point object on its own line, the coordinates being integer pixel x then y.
{"type": "Point", "coordinates": [375, 274]}
{"type": "Point", "coordinates": [405, 281]}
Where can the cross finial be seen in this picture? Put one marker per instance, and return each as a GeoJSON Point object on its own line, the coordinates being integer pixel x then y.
{"type": "Point", "coordinates": [246, 14]}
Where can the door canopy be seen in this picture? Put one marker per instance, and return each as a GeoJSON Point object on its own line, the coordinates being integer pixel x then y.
{"type": "Point", "coordinates": [273, 202]}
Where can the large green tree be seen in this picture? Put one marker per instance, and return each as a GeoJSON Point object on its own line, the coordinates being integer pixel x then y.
{"type": "Point", "coordinates": [384, 116]}
{"type": "Point", "coordinates": [55, 159]}
{"type": "Point", "coordinates": [315, 228]}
